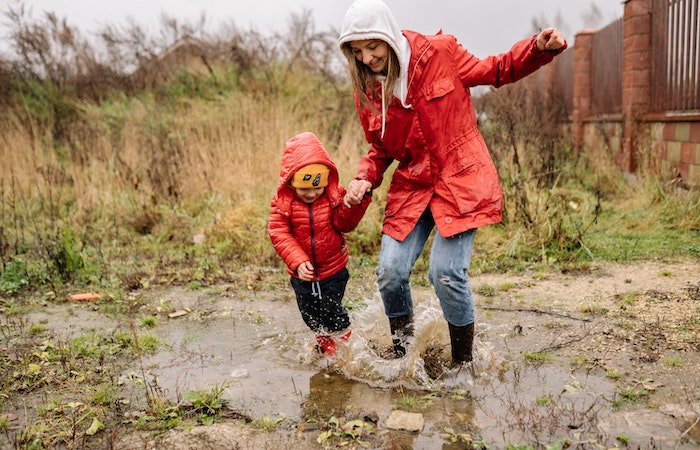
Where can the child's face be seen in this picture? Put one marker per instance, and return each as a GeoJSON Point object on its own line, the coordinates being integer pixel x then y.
{"type": "Point", "coordinates": [309, 195]}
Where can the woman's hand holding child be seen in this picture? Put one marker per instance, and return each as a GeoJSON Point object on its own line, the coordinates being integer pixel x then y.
{"type": "Point", "coordinates": [356, 190]}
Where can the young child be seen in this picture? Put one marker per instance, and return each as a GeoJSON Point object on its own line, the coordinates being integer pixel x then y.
{"type": "Point", "coordinates": [307, 223]}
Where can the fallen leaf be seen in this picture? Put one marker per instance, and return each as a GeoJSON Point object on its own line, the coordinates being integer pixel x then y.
{"type": "Point", "coordinates": [95, 426]}
{"type": "Point", "coordinates": [86, 296]}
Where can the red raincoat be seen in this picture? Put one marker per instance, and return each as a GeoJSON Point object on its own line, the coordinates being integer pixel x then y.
{"type": "Point", "coordinates": [443, 160]}
{"type": "Point", "coordinates": [311, 232]}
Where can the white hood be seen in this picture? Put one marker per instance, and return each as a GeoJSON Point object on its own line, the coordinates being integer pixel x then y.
{"type": "Point", "coordinates": [372, 19]}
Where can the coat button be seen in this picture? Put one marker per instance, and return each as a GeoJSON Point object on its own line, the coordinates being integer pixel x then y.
{"type": "Point", "coordinates": [448, 219]}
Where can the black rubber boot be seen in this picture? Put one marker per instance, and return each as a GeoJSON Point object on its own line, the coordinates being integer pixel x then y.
{"type": "Point", "coordinates": [461, 340]}
{"type": "Point", "coordinates": [401, 332]}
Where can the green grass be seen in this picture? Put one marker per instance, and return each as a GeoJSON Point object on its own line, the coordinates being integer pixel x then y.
{"type": "Point", "coordinates": [267, 423]}
{"type": "Point", "coordinates": [673, 361]}
{"type": "Point", "coordinates": [593, 310]}
{"type": "Point", "coordinates": [632, 394]}
{"type": "Point", "coordinates": [627, 246]}
{"type": "Point", "coordinates": [413, 401]}
{"type": "Point", "coordinates": [613, 374]}
{"type": "Point", "coordinates": [485, 290]}
{"type": "Point", "coordinates": [536, 356]}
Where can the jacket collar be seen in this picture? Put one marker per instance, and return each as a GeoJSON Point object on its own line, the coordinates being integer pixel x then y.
{"type": "Point", "coordinates": [421, 52]}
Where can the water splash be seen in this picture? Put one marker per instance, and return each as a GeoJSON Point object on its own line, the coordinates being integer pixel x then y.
{"type": "Point", "coordinates": [368, 358]}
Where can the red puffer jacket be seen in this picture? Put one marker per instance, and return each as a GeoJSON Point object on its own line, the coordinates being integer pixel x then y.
{"type": "Point", "coordinates": [443, 159]}
{"type": "Point", "coordinates": [311, 232]}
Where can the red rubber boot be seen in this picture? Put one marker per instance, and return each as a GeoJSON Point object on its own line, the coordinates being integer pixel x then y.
{"type": "Point", "coordinates": [325, 345]}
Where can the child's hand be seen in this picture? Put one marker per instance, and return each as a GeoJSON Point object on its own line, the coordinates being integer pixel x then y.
{"type": "Point", "coordinates": [356, 190]}
{"type": "Point", "coordinates": [306, 271]}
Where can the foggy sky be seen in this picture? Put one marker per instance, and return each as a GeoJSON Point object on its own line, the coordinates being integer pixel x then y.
{"type": "Point", "coordinates": [483, 27]}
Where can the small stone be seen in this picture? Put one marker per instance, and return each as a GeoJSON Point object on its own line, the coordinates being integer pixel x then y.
{"type": "Point", "coordinates": [239, 373]}
{"type": "Point", "coordinates": [309, 426]}
{"type": "Point", "coordinates": [406, 421]}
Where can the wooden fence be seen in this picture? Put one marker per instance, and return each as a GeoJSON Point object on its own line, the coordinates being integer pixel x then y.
{"type": "Point", "coordinates": [606, 69]}
{"type": "Point", "coordinates": [563, 81]}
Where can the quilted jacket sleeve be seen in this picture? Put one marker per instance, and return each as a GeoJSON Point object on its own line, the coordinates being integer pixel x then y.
{"type": "Point", "coordinates": [280, 231]}
{"type": "Point", "coordinates": [346, 219]}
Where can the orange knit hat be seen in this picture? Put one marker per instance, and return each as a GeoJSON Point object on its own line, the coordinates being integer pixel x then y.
{"type": "Point", "coordinates": [312, 176]}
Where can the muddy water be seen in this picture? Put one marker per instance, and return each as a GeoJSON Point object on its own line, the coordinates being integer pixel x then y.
{"type": "Point", "coordinates": [262, 354]}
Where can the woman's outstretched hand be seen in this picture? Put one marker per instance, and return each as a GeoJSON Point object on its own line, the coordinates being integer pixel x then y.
{"type": "Point", "coordinates": [550, 39]}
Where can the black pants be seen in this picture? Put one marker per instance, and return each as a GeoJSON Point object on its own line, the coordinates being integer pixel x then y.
{"type": "Point", "coordinates": [320, 302]}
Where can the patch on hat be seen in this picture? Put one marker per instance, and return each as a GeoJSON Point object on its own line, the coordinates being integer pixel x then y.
{"type": "Point", "coordinates": [312, 176]}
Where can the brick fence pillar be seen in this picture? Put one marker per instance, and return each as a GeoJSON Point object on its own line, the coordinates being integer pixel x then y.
{"type": "Point", "coordinates": [636, 78]}
{"type": "Point", "coordinates": [582, 86]}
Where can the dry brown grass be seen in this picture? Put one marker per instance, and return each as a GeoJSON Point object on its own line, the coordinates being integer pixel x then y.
{"type": "Point", "coordinates": [172, 169]}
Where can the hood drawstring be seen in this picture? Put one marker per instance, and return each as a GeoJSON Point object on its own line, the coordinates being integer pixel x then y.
{"type": "Point", "coordinates": [315, 285]}
{"type": "Point", "coordinates": [316, 289]}
{"type": "Point", "coordinates": [381, 82]}
{"type": "Point", "coordinates": [402, 95]}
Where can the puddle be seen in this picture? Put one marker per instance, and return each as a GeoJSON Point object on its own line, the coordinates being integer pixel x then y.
{"type": "Point", "coordinates": [262, 352]}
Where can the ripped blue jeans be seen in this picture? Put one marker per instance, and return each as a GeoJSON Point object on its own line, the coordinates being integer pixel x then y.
{"type": "Point", "coordinates": [449, 263]}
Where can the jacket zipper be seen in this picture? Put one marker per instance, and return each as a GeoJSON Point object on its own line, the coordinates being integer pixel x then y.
{"type": "Point", "coordinates": [315, 285]}
{"type": "Point", "coordinates": [313, 239]}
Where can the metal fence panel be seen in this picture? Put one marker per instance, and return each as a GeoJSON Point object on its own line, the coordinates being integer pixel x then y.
{"type": "Point", "coordinates": [676, 56]}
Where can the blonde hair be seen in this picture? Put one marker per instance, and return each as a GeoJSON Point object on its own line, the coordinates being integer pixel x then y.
{"type": "Point", "coordinates": [363, 79]}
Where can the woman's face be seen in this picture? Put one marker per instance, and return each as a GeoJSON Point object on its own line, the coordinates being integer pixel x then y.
{"type": "Point", "coordinates": [374, 53]}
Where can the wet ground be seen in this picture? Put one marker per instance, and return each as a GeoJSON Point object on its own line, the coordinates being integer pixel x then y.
{"type": "Point", "coordinates": [545, 351]}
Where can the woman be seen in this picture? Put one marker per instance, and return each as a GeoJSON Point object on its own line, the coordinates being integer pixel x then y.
{"type": "Point", "coordinates": [413, 101]}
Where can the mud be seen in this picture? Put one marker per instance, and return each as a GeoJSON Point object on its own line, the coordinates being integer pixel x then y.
{"type": "Point", "coordinates": [555, 356]}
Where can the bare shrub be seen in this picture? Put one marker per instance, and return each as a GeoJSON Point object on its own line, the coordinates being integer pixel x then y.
{"type": "Point", "coordinates": [51, 50]}
{"type": "Point", "coordinates": [535, 162]}
{"type": "Point", "coordinates": [5, 85]}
